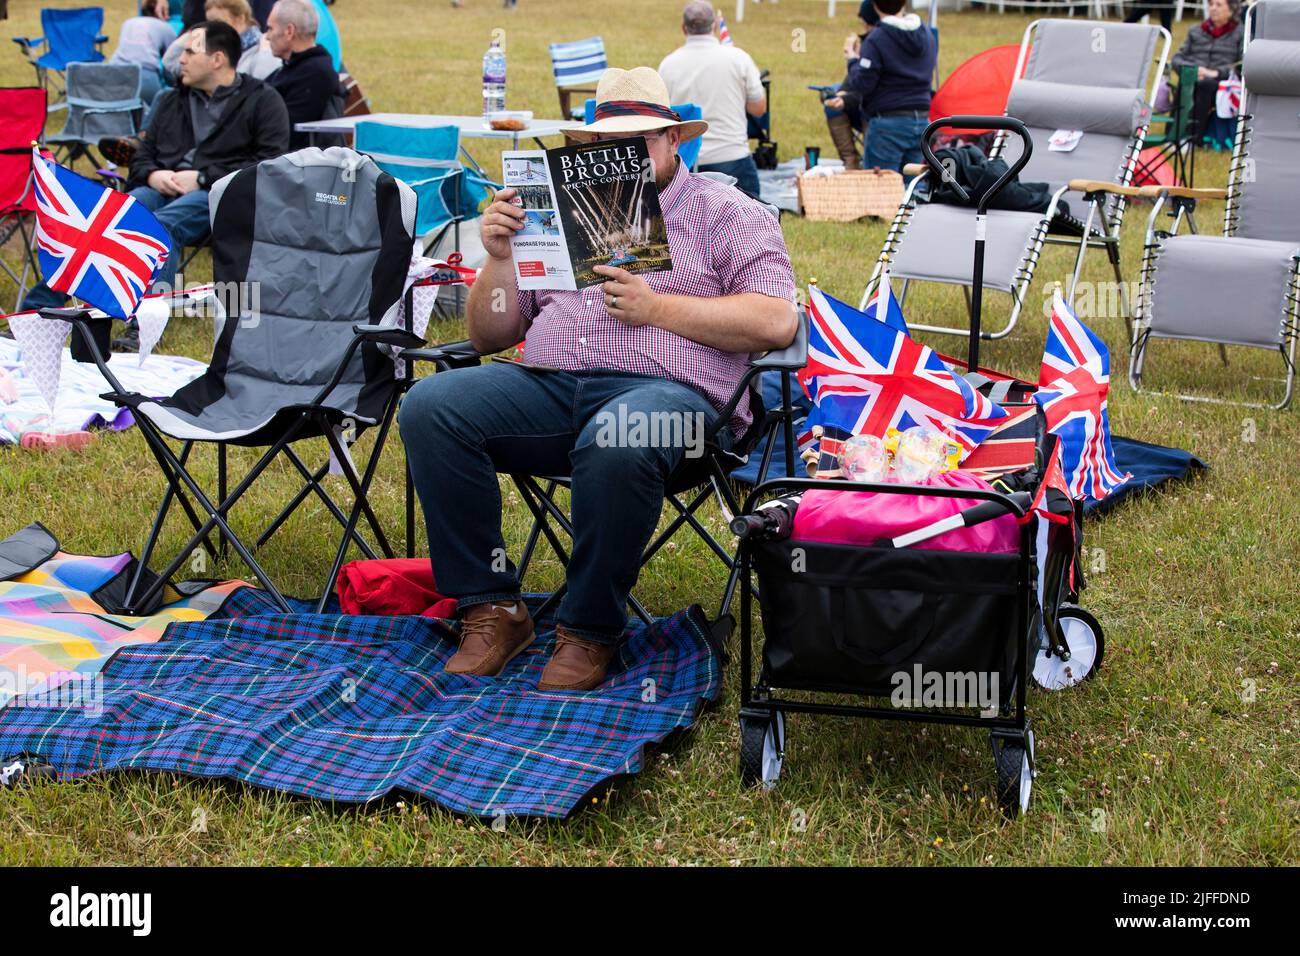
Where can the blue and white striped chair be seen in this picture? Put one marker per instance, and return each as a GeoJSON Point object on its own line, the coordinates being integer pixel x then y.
{"type": "Point", "coordinates": [577, 66]}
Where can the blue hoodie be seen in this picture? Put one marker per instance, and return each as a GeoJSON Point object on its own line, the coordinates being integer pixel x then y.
{"type": "Point", "coordinates": [895, 66]}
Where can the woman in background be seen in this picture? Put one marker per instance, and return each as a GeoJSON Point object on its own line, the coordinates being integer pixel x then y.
{"type": "Point", "coordinates": [142, 42]}
{"type": "Point", "coordinates": [1214, 48]}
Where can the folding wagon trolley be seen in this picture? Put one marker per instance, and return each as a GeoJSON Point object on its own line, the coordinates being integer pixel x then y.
{"type": "Point", "coordinates": [848, 619]}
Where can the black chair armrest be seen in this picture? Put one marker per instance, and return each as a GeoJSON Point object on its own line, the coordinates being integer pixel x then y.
{"type": "Point", "coordinates": [388, 335]}
{"type": "Point", "coordinates": [74, 314]}
{"type": "Point", "coordinates": [454, 354]}
{"type": "Point", "coordinates": [791, 358]}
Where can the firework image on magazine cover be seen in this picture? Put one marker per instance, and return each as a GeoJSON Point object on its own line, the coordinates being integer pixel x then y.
{"type": "Point", "coordinates": [585, 205]}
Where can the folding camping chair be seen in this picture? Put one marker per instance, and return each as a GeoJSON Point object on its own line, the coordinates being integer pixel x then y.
{"type": "Point", "coordinates": [695, 480]}
{"type": "Point", "coordinates": [577, 66]}
{"type": "Point", "coordinates": [1173, 142]}
{"type": "Point", "coordinates": [24, 109]}
{"type": "Point", "coordinates": [1077, 75]}
{"type": "Point", "coordinates": [70, 36]}
{"type": "Point", "coordinates": [325, 239]}
{"type": "Point", "coordinates": [103, 100]}
{"type": "Point", "coordinates": [427, 160]}
{"type": "Point", "coordinates": [1241, 288]}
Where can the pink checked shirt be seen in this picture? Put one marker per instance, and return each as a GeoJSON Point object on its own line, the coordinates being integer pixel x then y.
{"type": "Point", "coordinates": [722, 243]}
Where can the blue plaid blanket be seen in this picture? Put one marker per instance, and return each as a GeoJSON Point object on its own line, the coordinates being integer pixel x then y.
{"type": "Point", "coordinates": [351, 708]}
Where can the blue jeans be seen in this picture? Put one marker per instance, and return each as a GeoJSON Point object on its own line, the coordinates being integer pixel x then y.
{"type": "Point", "coordinates": [150, 87]}
{"type": "Point", "coordinates": [463, 427]}
{"type": "Point", "coordinates": [894, 141]}
{"type": "Point", "coordinates": [184, 217]}
{"type": "Point", "coordinates": [744, 170]}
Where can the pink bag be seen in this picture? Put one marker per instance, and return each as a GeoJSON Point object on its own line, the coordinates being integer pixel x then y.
{"type": "Point", "coordinates": [863, 517]}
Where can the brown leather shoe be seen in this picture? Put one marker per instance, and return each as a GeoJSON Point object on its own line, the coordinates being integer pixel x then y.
{"type": "Point", "coordinates": [490, 637]}
{"type": "Point", "coordinates": [576, 664]}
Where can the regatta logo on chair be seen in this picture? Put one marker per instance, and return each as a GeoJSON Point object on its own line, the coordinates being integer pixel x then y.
{"type": "Point", "coordinates": [331, 199]}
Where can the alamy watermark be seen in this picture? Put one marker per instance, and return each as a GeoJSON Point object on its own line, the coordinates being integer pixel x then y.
{"type": "Point", "coordinates": [634, 428]}
{"type": "Point", "coordinates": [923, 688]}
{"type": "Point", "coordinates": [215, 300]}
{"type": "Point", "coordinates": [64, 690]}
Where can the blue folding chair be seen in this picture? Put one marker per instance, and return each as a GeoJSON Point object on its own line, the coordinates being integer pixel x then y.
{"type": "Point", "coordinates": [577, 66]}
{"type": "Point", "coordinates": [427, 160]}
{"type": "Point", "coordinates": [70, 36]}
{"type": "Point", "coordinates": [688, 151]}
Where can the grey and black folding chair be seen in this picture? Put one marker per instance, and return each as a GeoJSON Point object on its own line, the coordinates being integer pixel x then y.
{"type": "Point", "coordinates": [103, 100]}
{"type": "Point", "coordinates": [1241, 288]}
{"type": "Point", "coordinates": [310, 258]}
{"type": "Point", "coordinates": [1085, 76]}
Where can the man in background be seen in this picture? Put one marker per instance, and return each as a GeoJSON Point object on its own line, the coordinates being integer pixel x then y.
{"type": "Point", "coordinates": [216, 122]}
{"type": "Point", "coordinates": [724, 82]}
{"type": "Point", "coordinates": [308, 82]}
{"type": "Point", "coordinates": [890, 81]}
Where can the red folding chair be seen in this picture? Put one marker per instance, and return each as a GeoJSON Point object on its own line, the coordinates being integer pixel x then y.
{"type": "Point", "coordinates": [24, 111]}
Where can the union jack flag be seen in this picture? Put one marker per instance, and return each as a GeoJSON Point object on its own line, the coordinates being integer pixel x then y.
{"type": "Point", "coordinates": [866, 377]}
{"type": "Point", "coordinates": [1074, 380]}
{"type": "Point", "coordinates": [724, 35]}
{"type": "Point", "coordinates": [883, 307]}
{"type": "Point", "coordinates": [95, 243]}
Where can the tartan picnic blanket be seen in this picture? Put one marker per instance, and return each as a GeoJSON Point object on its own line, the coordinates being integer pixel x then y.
{"type": "Point", "coordinates": [350, 708]}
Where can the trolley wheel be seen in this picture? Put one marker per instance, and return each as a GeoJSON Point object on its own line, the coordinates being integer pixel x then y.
{"type": "Point", "coordinates": [1015, 768]}
{"type": "Point", "coordinates": [1084, 637]}
{"type": "Point", "coordinates": [762, 748]}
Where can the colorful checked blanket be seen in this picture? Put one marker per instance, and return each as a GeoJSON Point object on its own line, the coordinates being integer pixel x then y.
{"type": "Point", "coordinates": [54, 633]}
{"type": "Point", "coordinates": [351, 708]}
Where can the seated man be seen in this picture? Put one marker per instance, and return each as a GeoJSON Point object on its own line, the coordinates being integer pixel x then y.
{"type": "Point", "coordinates": [672, 342]}
{"type": "Point", "coordinates": [308, 82]}
{"type": "Point", "coordinates": [215, 123]}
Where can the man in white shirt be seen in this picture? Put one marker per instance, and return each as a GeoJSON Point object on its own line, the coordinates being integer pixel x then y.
{"type": "Point", "coordinates": [724, 82]}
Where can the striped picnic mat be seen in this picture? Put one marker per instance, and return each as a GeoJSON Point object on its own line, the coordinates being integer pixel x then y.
{"type": "Point", "coordinates": [52, 630]}
{"type": "Point", "coordinates": [350, 708]}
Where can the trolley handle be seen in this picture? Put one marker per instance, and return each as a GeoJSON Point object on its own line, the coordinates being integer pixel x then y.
{"type": "Point", "coordinates": [1009, 123]}
{"type": "Point", "coordinates": [1016, 503]}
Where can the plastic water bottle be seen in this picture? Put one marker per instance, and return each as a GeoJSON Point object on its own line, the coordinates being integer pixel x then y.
{"type": "Point", "coordinates": [494, 80]}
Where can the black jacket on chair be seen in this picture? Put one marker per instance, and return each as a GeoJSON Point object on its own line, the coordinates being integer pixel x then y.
{"type": "Point", "coordinates": [254, 127]}
{"type": "Point", "coordinates": [311, 90]}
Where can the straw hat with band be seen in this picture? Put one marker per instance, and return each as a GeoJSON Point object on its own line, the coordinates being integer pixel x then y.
{"type": "Point", "coordinates": [634, 101]}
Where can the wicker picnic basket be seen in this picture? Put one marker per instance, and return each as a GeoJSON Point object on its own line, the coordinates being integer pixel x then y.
{"type": "Point", "coordinates": [851, 195]}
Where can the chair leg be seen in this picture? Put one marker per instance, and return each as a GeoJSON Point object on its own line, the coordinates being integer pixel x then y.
{"type": "Point", "coordinates": [312, 483]}
{"type": "Point", "coordinates": [540, 505]}
{"type": "Point", "coordinates": [341, 455]}
{"type": "Point", "coordinates": [410, 512]}
{"type": "Point", "coordinates": [526, 556]}
{"type": "Point", "coordinates": [151, 540]}
{"type": "Point", "coordinates": [216, 520]}
{"type": "Point", "coordinates": [1083, 250]}
{"type": "Point", "coordinates": [361, 503]}
{"type": "Point", "coordinates": [223, 544]}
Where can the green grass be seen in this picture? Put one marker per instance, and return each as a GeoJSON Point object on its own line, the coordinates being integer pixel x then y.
{"type": "Point", "coordinates": [1196, 585]}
